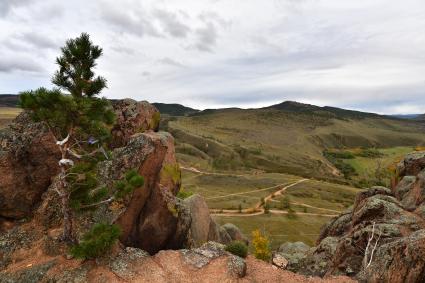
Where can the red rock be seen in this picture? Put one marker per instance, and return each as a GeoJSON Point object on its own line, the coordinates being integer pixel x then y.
{"type": "Point", "coordinates": [28, 160]}
{"type": "Point", "coordinates": [133, 117]}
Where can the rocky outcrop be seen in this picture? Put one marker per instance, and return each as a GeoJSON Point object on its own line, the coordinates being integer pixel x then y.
{"type": "Point", "coordinates": [132, 117]}
{"type": "Point", "coordinates": [294, 253]}
{"type": "Point", "coordinates": [393, 219]}
{"type": "Point", "coordinates": [152, 218]}
{"type": "Point", "coordinates": [208, 263]}
{"type": "Point", "coordinates": [235, 234]}
{"type": "Point", "coordinates": [28, 160]}
{"type": "Point", "coordinates": [29, 156]}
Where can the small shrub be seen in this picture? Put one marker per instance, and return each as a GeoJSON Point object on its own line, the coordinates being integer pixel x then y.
{"type": "Point", "coordinates": [183, 194]}
{"type": "Point", "coordinates": [292, 214]}
{"type": "Point", "coordinates": [97, 241]}
{"type": "Point", "coordinates": [266, 208]}
{"type": "Point", "coordinates": [285, 203]}
{"type": "Point", "coordinates": [237, 248]}
{"type": "Point", "coordinates": [370, 153]}
{"type": "Point", "coordinates": [338, 154]}
{"type": "Point", "coordinates": [261, 245]}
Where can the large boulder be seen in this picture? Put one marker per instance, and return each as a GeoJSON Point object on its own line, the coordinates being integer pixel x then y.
{"type": "Point", "coordinates": [28, 160]}
{"type": "Point", "coordinates": [395, 220]}
{"type": "Point", "coordinates": [133, 117]}
{"type": "Point", "coordinates": [402, 260]}
{"type": "Point", "coordinates": [235, 233]}
{"type": "Point", "coordinates": [294, 253]}
{"type": "Point", "coordinates": [149, 218]}
{"type": "Point", "coordinates": [412, 164]}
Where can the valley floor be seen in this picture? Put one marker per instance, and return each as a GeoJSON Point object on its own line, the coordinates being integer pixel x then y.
{"type": "Point", "coordinates": [285, 207]}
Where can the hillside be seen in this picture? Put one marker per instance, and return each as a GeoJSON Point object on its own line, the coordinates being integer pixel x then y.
{"type": "Point", "coordinates": [8, 100]}
{"type": "Point", "coordinates": [285, 138]}
{"type": "Point", "coordinates": [174, 109]}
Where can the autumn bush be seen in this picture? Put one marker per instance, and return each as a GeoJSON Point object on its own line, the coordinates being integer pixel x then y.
{"type": "Point", "coordinates": [261, 246]}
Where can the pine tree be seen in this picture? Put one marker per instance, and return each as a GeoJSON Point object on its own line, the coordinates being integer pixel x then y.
{"type": "Point", "coordinates": [78, 120]}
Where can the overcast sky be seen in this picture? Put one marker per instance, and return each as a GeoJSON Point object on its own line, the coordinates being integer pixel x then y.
{"type": "Point", "coordinates": [359, 54]}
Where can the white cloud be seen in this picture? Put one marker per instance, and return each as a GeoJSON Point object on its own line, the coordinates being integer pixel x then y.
{"type": "Point", "coordinates": [363, 54]}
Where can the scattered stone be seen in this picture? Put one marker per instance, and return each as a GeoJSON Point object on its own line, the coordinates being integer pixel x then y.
{"type": "Point", "coordinates": [279, 260]}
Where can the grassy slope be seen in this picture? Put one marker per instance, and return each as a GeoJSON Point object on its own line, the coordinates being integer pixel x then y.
{"type": "Point", "coordinates": [214, 188]}
{"type": "Point", "coordinates": [282, 141]}
{"type": "Point", "coordinates": [7, 114]}
{"type": "Point", "coordinates": [280, 228]}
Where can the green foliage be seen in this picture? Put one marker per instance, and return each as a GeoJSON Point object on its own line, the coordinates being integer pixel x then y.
{"type": "Point", "coordinates": [338, 154]}
{"type": "Point", "coordinates": [85, 191]}
{"type": "Point", "coordinates": [370, 153]}
{"type": "Point", "coordinates": [292, 214]}
{"type": "Point", "coordinates": [337, 159]}
{"type": "Point", "coordinates": [97, 241]}
{"type": "Point", "coordinates": [77, 112]}
{"type": "Point", "coordinates": [266, 208]}
{"type": "Point", "coordinates": [237, 248]}
{"type": "Point", "coordinates": [183, 194]}
{"type": "Point", "coordinates": [285, 203]}
{"type": "Point", "coordinates": [172, 171]}
{"type": "Point", "coordinates": [346, 169]}
{"type": "Point", "coordinates": [129, 183]}
{"type": "Point", "coordinates": [76, 65]}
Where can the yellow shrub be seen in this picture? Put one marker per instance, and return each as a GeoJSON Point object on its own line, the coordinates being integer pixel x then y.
{"type": "Point", "coordinates": [261, 246]}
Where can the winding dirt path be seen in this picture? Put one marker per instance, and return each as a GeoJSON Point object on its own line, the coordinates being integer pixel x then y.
{"type": "Point", "coordinates": [258, 209]}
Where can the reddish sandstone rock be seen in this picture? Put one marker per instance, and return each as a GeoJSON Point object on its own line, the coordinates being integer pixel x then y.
{"type": "Point", "coordinates": [209, 263]}
{"type": "Point", "coordinates": [396, 217]}
{"type": "Point", "coordinates": [133, 117]}
{"type": "Point", "coordinates": [28, 160]}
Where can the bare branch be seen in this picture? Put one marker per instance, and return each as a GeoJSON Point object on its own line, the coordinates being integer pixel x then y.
{"type": "Point", "coordinates": [64, 141]}
{"type": "Point", "coordinates": [99, 203]}
{"type": "Point", "coordinates": [372, 243]}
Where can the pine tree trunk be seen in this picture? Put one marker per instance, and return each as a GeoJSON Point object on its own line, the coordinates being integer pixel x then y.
{"type": "Point", "coordinates": [65, 194]}
{"type": "Point", "coordinates": [68, 233]}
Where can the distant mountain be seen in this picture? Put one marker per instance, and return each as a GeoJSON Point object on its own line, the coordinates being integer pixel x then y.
{"type": "Point", "coordinates": [174, 109]}
{"type": "Point", "coordinates": [293, 106]}
{"type": "Point", "coordinates": [8, 100]}
{"type": "Point", "coordinates": [407, 116]}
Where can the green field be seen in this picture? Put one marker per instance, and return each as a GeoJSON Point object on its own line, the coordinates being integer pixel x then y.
{"type": "Point", "coordinates": [249, 189]}
{"type": "Point", "coordinates": [224, 193]}
{"type": "Point", "coordinates": [7, 114]}
{"type": "Point", "coordinates": [322, 194]}
{"type": "Point", "coordinates": [374, 170]}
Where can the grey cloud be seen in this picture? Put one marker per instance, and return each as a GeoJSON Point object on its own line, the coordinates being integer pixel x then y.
{"type": "Point", "coordinates": [171, 24]}
{"type": "Point", "coordinates": [7, 5]}
{"type": "Point", "coordinates": [207, 37]}
{"type": "Point", "coordinates": [127, 22]}
{"type": "Point", "coordinates": [11, 64]}
{"type": "Point", "coordinates": [171, 62]}
{"type": "Point", "coordinates": [214, 17]}
{"type": "Point", "coordinates": [123, 49]}
{"type": "Point", "coordinates": [38, 40]}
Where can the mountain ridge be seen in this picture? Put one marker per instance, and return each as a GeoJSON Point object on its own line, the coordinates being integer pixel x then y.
{"type": "Point", "coordinates": [176, 109]}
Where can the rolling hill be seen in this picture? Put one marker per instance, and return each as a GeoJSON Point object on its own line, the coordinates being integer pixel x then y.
{"type": "Point", "coordinates": [287, 138]}
{"type": "Point", "coordinates": [8, 100]}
